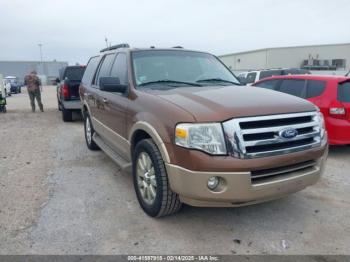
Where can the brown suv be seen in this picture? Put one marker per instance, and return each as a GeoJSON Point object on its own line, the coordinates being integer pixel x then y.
{"type": "Point", "coordinates": [191, 134]}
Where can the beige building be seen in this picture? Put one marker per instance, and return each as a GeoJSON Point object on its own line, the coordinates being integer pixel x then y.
{"type": "Point", "coordinates": [316, 57]}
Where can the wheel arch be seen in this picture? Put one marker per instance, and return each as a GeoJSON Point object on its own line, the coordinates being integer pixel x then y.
{"type": "Point", "coordinates": [85, 109]}
{"type": "Point", "coordinates": [142, 130]}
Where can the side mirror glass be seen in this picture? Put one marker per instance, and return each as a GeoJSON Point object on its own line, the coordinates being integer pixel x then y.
{"type": "Point", "coordinates": [112, 84]}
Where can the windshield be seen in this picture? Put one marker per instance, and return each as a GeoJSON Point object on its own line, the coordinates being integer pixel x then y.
{"type": "Point", "coordinates": [75, 73]}
{"type": "Point", "coordinates": [179, 68]}
{"type": "Point", "coordinates": [11, 80]}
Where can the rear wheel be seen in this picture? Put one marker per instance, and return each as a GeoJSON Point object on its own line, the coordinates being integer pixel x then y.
{"type": "Point", "coordinates": [66, 115]}
{"type": "Point", "coordinates": [89, 132]}
{"type": "Point", "coordinates": [151, 181]}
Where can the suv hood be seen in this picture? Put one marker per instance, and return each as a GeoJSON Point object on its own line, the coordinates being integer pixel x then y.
{"type": "Point", "coordinates": [219, 103]}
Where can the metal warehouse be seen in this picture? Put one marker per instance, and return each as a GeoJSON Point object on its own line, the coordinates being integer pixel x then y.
{"type": "Point", "coordinates": [334, 57]}
{"type": "Point", "coordinates": [49, 69]}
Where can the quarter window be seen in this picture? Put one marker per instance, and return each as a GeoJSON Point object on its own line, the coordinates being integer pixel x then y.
{"type": "Point", "coordinates": [344, 92]}
{"type": "Point", "coordinates": [90, 70]}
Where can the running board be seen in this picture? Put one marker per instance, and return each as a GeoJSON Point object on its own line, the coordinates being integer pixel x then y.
{"type": "Point", "coordinates": [120, 161]}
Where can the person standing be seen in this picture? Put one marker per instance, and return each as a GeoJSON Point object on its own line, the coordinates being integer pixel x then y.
{"type": "Point", "coordinates": [33, 83]}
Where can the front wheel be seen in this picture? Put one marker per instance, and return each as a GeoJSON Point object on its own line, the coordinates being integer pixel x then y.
{"type": "Point", "coordinates": [151, 181]}
{"type": "Point", "coordinates": [89, 132]}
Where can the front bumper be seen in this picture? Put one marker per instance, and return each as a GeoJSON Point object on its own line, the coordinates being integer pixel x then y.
{"type": "Point", "coordinates": [338, 131]}
{"type": "Point", "coordinates": [238, 188]}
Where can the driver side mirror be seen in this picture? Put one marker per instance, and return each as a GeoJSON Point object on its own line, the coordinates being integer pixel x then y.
{"type": "Point", "coordinates": [112, 84]}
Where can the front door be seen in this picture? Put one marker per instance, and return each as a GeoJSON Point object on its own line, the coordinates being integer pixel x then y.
{"type": "Point", "coordinates": [115, 107]}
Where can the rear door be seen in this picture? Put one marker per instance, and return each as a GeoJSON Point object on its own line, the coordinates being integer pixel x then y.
{"type": "Point", "coordinates": [344, 97]}
{"type": "Point", "coordinates": [87, 84]}
{"type": "Point", "coordinates": [315, 89]}
{"type": "Point", "coordinates": [97, 96]}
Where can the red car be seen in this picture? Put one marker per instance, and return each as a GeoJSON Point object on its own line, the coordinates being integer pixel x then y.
{"type": "Point", "coordinates": [330, 93]}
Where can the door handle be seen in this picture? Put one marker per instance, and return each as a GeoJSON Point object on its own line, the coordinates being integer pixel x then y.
{"type": "Point", "coordinates": [105, 100]}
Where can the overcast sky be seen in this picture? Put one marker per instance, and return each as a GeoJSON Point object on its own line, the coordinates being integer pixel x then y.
{"type": "Point", "coordinates": [73, 30]}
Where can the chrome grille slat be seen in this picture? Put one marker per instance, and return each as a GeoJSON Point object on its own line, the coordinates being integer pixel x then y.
{"type": "Point", "coordinates": [277, 128]}
{"type": "Point", "coordinates": [247, 140]}
{"type": "Point", "coordinates": [279, 140]}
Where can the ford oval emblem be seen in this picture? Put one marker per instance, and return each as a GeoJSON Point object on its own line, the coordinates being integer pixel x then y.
{"type": "Point", "coordinates": [288, 133]}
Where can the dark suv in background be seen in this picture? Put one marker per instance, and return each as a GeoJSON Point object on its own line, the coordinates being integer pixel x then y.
{"type": "Point", "coordinates": [68, 90]}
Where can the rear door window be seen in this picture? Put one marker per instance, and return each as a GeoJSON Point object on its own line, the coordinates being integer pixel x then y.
{"type": "Point", "coordinates": [295, 87]}
{"type": "Point", "coordinates": [250, 78]}
{"type": "Point", "coordinates": [268, 84]}
{"type": "Point", "coordinates": [315, 88]}
{"type": "Point", "coordinates": [344, 92]}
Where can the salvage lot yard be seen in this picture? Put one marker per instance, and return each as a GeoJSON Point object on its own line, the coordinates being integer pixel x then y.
{"type": "Point", "coordinates": [57, 197]}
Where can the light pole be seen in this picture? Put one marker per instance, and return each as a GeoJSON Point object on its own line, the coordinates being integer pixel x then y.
{"type": "Point", "coordinates": [41, 53]}
{"type": "Point", "coordinates": [41, 58]}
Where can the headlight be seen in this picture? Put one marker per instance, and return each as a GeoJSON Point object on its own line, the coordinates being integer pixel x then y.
{"type": "Point", "coordinates": [320, 120]}
{"type": "Point", "coordinates": [206, 137]}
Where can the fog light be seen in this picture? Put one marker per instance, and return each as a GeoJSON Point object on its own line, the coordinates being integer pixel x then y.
{"type": "Point", "coordinates": [213, 182]}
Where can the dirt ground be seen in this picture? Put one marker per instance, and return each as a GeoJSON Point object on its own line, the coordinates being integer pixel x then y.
{"type": "Point", "coordinates": [57, 197]}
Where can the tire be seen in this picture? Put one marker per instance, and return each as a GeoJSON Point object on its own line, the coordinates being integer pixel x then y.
{"type": "Point", "coordinates": [165, 202]}
{"type": "Point", "coordinates": [66, 115]}
{"type": "Point", "coordinates": [88, 138]}
{"type": "Point", "coordinates": [59, 105]}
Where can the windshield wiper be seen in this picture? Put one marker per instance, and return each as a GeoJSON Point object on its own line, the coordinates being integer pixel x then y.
{"type": "Point", "coordinates": [217, 80]}
{"type": "Point", "coordinates": [167, 81]}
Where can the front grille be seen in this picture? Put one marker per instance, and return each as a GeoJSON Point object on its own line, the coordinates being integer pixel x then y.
{"type": "Point", "coordinates": [252, 137]}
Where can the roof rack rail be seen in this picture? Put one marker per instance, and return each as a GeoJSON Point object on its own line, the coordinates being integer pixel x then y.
{"type": "Point", "coordinates": [113, 47]}
{"type": "Point", "coordinates": [178, 46]}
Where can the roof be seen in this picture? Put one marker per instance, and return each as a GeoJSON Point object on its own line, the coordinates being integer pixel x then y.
{"type": "Point", "coordinates": [283, 47]}
{"type": "Point", "coordinates": [23, 61]}
{"type": "Point", "coordinates": [152, 49]}
{"type": "Point", "coordinates": [309, 77]}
